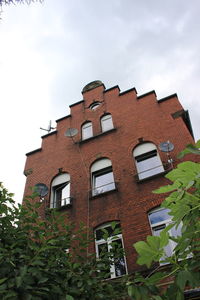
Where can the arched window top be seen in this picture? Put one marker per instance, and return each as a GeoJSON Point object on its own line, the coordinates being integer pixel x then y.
{"type": "Point", "coordinates": [106, 122]}
{"type": "Point", "coordinates": [147, 160]}
{"type": "Point", "coordinates": [86, 124]}
{"type": "Point", "coordinates": [87, 130]}
{"type": "Point", "coordinates": [105, 114]}
{"type": "Point", "coordinates": [144, 148]}
{"type": "Point", "coordinates": [95, 105]}
{"type": "Point", "coordinates": [65, 177]}
{"type": "Point", "coordinates": [101, 164]}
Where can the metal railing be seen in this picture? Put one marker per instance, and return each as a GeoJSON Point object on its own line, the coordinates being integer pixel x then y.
{"type": "Point", "coordinates": [103, 188]}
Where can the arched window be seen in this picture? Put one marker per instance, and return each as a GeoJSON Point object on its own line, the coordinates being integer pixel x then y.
{"type": "Point", "coordinates": [87, 131]}
{"type": "Point", "coordinates": [60, 191]}
{"type": "Point", "coordinates": [114, 243]}
{"type": "Point", "coordinates": [106, 122]}
{"type": "Point", "coordinates": [102, 176]}
{"type": "Point", "coordinates": [95, 105]}
{"type": "Point", "coordinates": [159, 218]}
{"type": "Point", "coordinates": [147, 159]}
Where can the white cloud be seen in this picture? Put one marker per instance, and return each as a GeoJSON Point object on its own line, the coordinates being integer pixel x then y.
{"type": "Point", "coordinates": [49, 51]}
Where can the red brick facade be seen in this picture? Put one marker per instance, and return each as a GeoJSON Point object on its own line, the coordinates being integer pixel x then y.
{"type": "Point", "coordinates": [136, 119]}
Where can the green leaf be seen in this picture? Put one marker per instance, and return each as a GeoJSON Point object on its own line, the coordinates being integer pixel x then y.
{"type": "Point", "coordinates": [157, 298]}
{"type": "Point", "coordinates": [198, 144]}
{"type": "Point", "coordinates": [131, 290]}
{"type": "Point", "coordinates": [68, 297]}
{"type": "Point", "coordinates": [166, 188]}
{"type": "Point", "coordinates": [155, 278]}
{"type": "Point", "coordinates": [18, 281]}
{"type": "Point", "coordinates": [42, 280]}
{"type": "Point", "coordinates": [147, 253]}
{"type": "Point", "coordinates": [164, 238]}
{"type": "Point", "coordinates": [182, 278]}
{"type": "Point", "coordinates": [154, 242]}
{"type": "Point", "coordinates": [3, 280]}
{"type": "Point", "coordinates": [193, 149]}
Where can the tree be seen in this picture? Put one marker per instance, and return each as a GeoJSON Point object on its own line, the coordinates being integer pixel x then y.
{"type": "Point", "coordinates": [46, 258]}
{"type": "Point", "coordinates": [182, 269]}
{"type": "Point", "coordinates": [17, 1]}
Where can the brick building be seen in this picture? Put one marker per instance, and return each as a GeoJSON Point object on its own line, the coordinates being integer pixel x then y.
{"type": "Point", "coordinates": [104, 159]}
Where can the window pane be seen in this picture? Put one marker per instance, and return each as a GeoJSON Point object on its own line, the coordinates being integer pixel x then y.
{"type": "Point", "coordinates": [87, 131]}
{"type": "Point", "coordinates": [149, 167]}
{"type": "Point", "coordinates": [61, 195]}
{"type": "Point", "coordinates": [106, 123]}
{"type": "Point", "coordinates": [159, 216]}
{"type": "Point", "coordinates": [103, 183]}
{"type": "Point", "coordinates": [176, 231]}
{"type": "Point", "coordinates": [119, 263]}
{"type": "Point", "coordinates": [65, 195]}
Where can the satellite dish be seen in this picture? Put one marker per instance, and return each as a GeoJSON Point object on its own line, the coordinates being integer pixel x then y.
{"type": "Point", "coordinates": [41, 189]}
{"type": "Point", "coordinates": [166, 146]}
{"type": "Point", "coordinates": [70, 132]}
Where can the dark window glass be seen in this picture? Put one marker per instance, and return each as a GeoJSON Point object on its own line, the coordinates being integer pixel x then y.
{"type": "Point", "coordinates": [110, 231]}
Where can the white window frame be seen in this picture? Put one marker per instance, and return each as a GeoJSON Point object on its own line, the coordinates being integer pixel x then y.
{"type": "Point", "coordinates": [109, 245]}
{"type": "Point", "coordinates": [106, 122]}
{"type": "Point", "coordinates": [169, 249]}
{"type": "Point", "coordinates": [87, 130]}
{"type": "Point", "coordinates": [60, 182]}
{"type": "Point", "coordinates": [144, 155]}
{"type": "Point", "coordinates": [98, 169]}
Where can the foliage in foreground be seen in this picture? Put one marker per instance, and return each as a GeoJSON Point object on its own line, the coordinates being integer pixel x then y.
{"type": "Point", "coordinates": [18, 1]}
{"type": "Point", "coordinates": [47, 258]}
{"type": "Point", "coordinates": [183, 269]}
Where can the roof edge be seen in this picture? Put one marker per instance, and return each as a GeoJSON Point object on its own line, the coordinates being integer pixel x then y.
{"type": "Point", "coordinates": [34, 151]}
{"type": "Point", "coordinates": [167, 98]}
{"type": "Point", "coordinates": [146, 94]}
{"type": "Point", "coordinates": [48, 134]}
{"type": "Point", "coordinates": [112, 88]}
{"type": "Point", "coordinates": [76, 103]}
{"type": "Point", "coordinates": [127, 91]}
{"type": "Point", "coordinates": [62, 118]}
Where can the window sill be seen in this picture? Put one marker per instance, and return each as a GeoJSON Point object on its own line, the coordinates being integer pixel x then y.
{"type": "Point", "coordinates": [96, 136]}
{"type": "Point", "coordinates": [161, 174]}
{"type": "Point", "coordinates": [63, 207]}
{"type": "Point", "coordinates": [104, 193]}
{"type": "Point", "coordinates": [150, 177]}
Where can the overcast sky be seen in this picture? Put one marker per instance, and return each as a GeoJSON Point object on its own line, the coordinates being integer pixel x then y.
{"type": "Point", "coordinates": [50, 51]}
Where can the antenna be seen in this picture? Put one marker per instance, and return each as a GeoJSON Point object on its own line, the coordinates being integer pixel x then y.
{"type": "Point", "coordinates": [167, 147]}
{"type": "Point", "coordinates": [49, 127]}
{"type": "Point", "coordinates": [41, 189]}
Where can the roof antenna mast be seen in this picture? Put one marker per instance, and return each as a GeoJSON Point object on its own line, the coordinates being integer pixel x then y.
{"type": "Point", "coordinates": [49, 127]}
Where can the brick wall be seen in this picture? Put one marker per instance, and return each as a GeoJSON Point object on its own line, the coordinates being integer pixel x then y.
{"type": "Point", "coordinates": [134, 117]}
